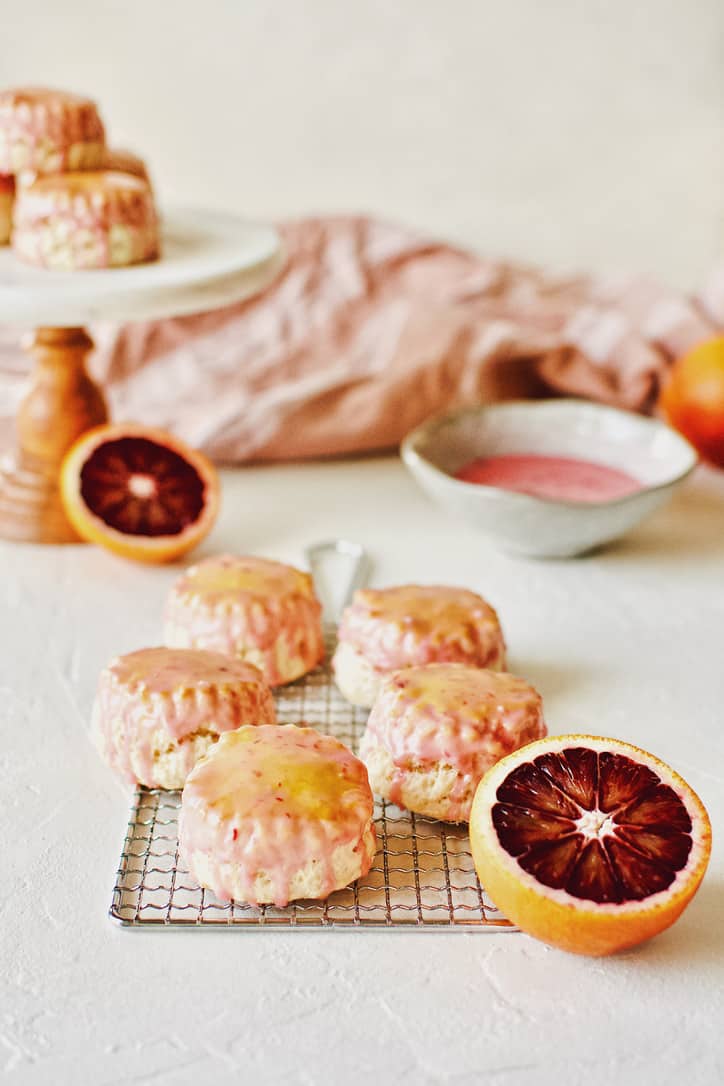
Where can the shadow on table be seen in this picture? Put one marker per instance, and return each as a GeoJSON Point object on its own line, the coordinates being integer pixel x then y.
{"type": "Point", "coordinates": [692, 526]}
{"type": "Point", "coordinates": [696, 939]}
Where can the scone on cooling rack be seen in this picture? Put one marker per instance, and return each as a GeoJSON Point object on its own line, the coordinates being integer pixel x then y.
{"type": "Point", "coordinates": [48, 131]}
{"type": "Point", "coordinates": [435, 730]}
{"type": "Point", "coordinates": [78, 221]}
{"type": "Point", "coordinates": [277, 813]}
{"type": "Point", "coordinates": [157, 711]}
{"type": "Point", "coordinates": [262, 611]}
{"type": "Point", "coordinates": [389, 628]}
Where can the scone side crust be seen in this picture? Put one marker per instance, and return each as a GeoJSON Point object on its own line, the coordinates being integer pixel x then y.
{"type": "Point", "coordinates": [230, 883]}
{"type": "Point", "coordinates": [439, 791]}
{"type": "Point", "coordinates": [355, 677]}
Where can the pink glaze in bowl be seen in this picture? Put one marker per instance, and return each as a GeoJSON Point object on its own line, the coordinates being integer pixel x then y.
{"type": "Point", "coordinates": [537, 527]}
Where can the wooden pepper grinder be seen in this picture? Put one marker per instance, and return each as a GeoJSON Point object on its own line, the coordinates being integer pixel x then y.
{"type": "Point", "coordinates": [63, 402]}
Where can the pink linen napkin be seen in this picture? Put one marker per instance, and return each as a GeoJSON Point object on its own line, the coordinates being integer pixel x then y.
{"type": "Point", "coordinates": [369, 330]}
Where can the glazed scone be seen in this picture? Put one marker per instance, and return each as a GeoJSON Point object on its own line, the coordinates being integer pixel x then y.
{"type": "Point", "coordinates": [388, 628]}
{"type": "Point", "coordinates": [49, 131]}
{"type": "Point", "coordinates": [7, 199]}
{"type": "Point", "coordinates": [261, 611]}
{"type": "Point", "coordinates": [77, 221]}
{"type": "Point", "coordinates": [277, 813]}
{"type": "Point", "coordinates": [121, 161]}
{"type": "Point", "coordinates": [157, 711]}
{"type": "Point", "coordinates": [434, 731]}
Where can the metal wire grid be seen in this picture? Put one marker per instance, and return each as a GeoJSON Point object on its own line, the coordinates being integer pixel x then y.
{"type": "Point", "coordinates": [423, 876]}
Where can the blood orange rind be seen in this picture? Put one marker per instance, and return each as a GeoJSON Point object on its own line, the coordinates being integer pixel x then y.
{"type": "Point", "coordinates": [692, 398]}
{"type": "Point", "coordinates": [552, 914]}
{"type": "Point", "coordinates": [139, 491]}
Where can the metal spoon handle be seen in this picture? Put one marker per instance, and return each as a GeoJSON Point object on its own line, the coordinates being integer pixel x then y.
{"type": "Point", "coordinates": [335, 555]}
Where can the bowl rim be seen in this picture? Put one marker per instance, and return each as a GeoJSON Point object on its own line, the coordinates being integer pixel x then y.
{"type": "Point", "coordinates": [412, 457]}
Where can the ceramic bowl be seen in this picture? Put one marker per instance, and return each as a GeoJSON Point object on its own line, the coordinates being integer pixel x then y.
{"type": "Point", "coordinates": [539, 527]}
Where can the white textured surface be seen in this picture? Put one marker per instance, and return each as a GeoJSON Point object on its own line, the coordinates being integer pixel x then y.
{"type": "Point", "coordinates": [627, 642]}
{"type": "Point", "coordinates": [580, 134]}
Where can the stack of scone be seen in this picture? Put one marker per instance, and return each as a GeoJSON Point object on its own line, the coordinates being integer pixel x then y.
{"type": "Point", "coordinates": [270, 812]}
{"type": "Point", "coordinates": [66, 200]}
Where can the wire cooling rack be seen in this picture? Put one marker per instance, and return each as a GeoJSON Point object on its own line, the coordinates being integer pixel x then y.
{"type": "Point", "coordinates": [423, 876]}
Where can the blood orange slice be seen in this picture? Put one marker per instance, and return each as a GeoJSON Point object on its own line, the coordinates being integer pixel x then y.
{"type": "Point", "coordinates": [139, 492]}
{"type": "Point", "coordinates": [589, 844]}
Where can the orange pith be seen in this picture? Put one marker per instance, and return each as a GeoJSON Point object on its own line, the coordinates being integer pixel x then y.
{"type": "Point", "coordinates": [590, 844]}
{"type": "Point", "coordinates": [139, 492]}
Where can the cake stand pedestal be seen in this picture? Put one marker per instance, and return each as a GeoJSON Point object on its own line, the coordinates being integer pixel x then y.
{"type": "Point", "coordinates": [209, 260]}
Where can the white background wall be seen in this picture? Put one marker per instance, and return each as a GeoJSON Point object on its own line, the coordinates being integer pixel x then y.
{"type": "Point", "coordinates": [576, 132]}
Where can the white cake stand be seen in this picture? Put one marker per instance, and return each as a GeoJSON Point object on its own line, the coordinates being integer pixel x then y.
{"type": "Point", "coordinates": [209, 260]}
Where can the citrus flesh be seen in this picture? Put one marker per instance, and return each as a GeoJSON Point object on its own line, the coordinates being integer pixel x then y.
{"type": "Point", "coordinates": [589, 844]}
{"type": "Point", "coordinates": [139, 492]}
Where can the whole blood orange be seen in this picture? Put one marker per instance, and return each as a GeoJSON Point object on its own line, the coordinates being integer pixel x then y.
{"type": "Point", "coordinates": [693, 398]}
{"type": "Point", "coordinates": [139, 492]}
{"type": "Point", "coordinates": [589, 844]}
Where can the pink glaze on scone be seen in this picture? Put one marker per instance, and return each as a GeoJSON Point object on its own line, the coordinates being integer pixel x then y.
{"type": "Point", "coordinates": [122, 161]}
{"type": "Point", "coordinates": [262, 611]}
{"type": "Point", "coordinates": [388, 628]}
{"type": "Point", "coordinates": [48, 131]}
{"type": "Point", "coordinates": [276, 813]}
{"type": "Point", "coordinates": [93, 219]}
{"type": "Point", "coordinates": [423, 624]}
{"type": "Point", "coordinates": [434, 731]}
{"type": "Point", "coordinates": [158, 710]}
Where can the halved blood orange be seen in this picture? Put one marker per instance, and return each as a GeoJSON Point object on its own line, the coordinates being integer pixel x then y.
{"type": "Point", "coordinates": [139, 492]}
{"type": "Point", "coordinates": [589, 844]}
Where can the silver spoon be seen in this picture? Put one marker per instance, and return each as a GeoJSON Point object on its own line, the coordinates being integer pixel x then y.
{"type": "Point", "coordinates": [334, 562]}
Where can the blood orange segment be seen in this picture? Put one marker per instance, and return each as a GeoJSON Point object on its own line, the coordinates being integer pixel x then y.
{"type": "Point", "coordinates": [629, 833]}
{"type": "Point", "coordinates": [589, 843]}
{"type": "Point", "coordinates": [138, 491]}
{"type": "Point", "coordinates": [142, 488]}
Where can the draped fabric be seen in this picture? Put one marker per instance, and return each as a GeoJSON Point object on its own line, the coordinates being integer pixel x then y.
{"type": "Point", "coordinates": [369, 330]}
